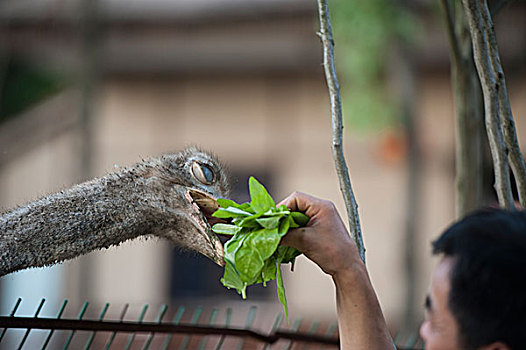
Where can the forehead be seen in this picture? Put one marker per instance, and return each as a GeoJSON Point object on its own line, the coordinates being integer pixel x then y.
{"type": "Point", "coordinates": [443, 329]}
{"type": "Point", "coordinates": [441, 279]}
{"type": "Point", "coordinates": [439, 290]}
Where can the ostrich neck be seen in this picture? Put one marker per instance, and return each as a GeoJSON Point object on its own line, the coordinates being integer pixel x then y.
{"type": "Point", "coordinates": [90, 216]}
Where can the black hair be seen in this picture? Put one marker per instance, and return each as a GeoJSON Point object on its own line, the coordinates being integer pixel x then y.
{"type": "Point", "coordinates": [488, 279]}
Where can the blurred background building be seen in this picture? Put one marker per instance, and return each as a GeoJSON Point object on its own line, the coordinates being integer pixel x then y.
{"type": "Point", "coordinates": [88, 86]}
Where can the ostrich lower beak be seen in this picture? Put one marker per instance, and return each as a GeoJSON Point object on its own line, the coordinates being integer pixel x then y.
{"type": "Point", "coordinates": [204, 205]}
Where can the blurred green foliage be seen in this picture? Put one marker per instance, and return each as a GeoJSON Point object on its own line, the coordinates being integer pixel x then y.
{"type": "Point", "coordinates": [23, 86]}
{"type": "Point", "coordinates": [364, 32]}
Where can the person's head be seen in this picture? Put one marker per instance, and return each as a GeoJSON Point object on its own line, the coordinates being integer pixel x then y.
{"type": "Point", "coordinates": [477, 298]}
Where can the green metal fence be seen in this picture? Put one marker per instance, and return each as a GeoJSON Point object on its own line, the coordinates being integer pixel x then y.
{"type": "Point", "coordinates": [178, 328]}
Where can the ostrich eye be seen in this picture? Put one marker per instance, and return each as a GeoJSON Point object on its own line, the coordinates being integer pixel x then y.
{"type": "Point", "coordinates": [203, 173]}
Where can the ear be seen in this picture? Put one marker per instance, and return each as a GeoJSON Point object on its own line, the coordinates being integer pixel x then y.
{"type": "Point", "coordinates": [495, 346]}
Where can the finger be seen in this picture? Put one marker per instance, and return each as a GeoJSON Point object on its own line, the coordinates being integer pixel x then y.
{"type": "Point", "coordinates": [288, 202]}
{"type": "Point", "coordinates": [299, 201]}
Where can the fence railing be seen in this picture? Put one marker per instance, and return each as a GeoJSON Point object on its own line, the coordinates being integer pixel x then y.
{"type": "Point", "coordinates": [196, 332]}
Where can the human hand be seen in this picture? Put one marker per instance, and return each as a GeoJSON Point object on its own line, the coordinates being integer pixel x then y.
{"type": "Point", "coordinates": [325, 239]}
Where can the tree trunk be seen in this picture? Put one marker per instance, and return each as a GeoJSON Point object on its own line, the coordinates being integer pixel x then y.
{"type": "Point", "coordinates": [469, 111]}
{"type": "Point", "coordinates": [351, 205]}
{"type": "Point", "coordinates": [403, 75]}
{"type": "Point", "coordinates": [491, 77]}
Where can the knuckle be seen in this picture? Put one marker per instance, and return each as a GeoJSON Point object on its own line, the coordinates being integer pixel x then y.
{"type": "Point", "coordinates": [328, 205]}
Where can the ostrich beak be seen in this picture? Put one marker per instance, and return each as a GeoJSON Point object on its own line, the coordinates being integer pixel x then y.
{"type": "Point", "coordinates": [203, 205]}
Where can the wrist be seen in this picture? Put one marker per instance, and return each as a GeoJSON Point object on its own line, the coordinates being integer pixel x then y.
{"type": "Point", "coordinates": [353, 273]}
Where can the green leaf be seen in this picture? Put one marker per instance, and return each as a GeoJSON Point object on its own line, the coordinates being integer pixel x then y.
{"type": "Point", "coordinates": [246, 207]}
{"type": "Point", "coordinates": [237, 211]}
{"type": "Point", "coordinates": [283, 208]}
{"type": "Point", "coordinates": [284, 226]}
{"type": "Point", "coordinates": [230, 212]}
{"type": "Point", "coordinates": [226, 229]}
{"type": "Point", "coordinates": [264, 241]}
{"type": "Point", "coordinates": [287, 254]}
{"type": "Point", "coordinates": [261, 201]}
{"type": "Point", "coordinates": [231, 277]}
{"type": "Point", "coordinates": [225, 203]}
{"type": "Point", "coordinates": [300, 218]}
{"type": "Point", "coordinates": [270, 222]}
{"type": "Point", "coordinates": [249, 263]}
{"type": "Point", "coordinates": [249, 222]}
{"type": "Point", "coordinates": [275, 212]}
{"type": "Point", "coordinates": [292, 223]}
{"type": "Point", "coordinates": [281, 291]}
{"type": "Point", "coordinates": [259, 279]}
{"type": "Point", "coordinates": [269, 271]}
{"type": "Point", "coordinates": [232, 246]}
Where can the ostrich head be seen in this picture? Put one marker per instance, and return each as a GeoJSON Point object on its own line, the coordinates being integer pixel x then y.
{"type": "Point", "coordinates": [172, 197]}
{"type": "Point", "coordinates": [188, 184]}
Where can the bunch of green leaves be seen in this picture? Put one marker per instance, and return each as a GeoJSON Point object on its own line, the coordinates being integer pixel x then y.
{"type": "Point", "coordinates": [253, 254]}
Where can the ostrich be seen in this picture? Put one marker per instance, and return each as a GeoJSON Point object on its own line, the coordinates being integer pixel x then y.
{"type": "Point", "coordinates": [171, 197]}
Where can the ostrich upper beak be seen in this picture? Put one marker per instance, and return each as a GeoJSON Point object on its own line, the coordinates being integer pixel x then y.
{"type": "Point", "coordinates": [203, 205]}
